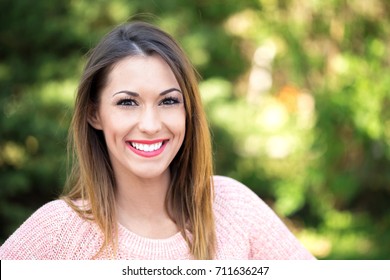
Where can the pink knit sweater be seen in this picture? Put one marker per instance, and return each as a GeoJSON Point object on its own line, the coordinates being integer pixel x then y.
{"type": "Point", "coordinates": [246, 228]}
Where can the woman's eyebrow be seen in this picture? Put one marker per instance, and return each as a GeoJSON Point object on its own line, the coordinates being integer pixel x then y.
{"type": "Point", "coordinates": [170, 90]}
{"type": "Point", "coordinates": [131, 93]}
{"type": "Point", "coordinates": [134, 94]}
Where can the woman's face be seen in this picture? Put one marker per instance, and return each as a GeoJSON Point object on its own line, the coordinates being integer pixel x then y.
{"type": "Point", "coordinates": [142, 115]}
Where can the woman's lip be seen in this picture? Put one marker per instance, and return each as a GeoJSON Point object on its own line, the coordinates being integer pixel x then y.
{"type": "Point", "coordinates": [148, 142]}
{"type": "Point", "coordinates": [145, 153]}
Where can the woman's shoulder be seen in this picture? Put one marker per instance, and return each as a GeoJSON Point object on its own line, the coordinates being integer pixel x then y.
{"type": "Point", "coordinates": [60, 217]}
{"type": "Point", "coordinates": [242, 213]}
{"type": "Point", "coordinates": [241, 204]}
{"type": "Point", "coordinates": [39, 236]}
{"type": "Point", "coordinates": [230, 190]}
{"type": "Point", "coordinates": [54, 213]}
{"type": "Point", "coordinates": [55, 208]}
{"type": "Point", "coordinates": [232, 197]}
{"type": "Point", "coordinates": [49, 217]}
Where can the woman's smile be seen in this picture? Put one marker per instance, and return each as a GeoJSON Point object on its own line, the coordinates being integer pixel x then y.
{"type": "Point", "coordinates": [148, 148]}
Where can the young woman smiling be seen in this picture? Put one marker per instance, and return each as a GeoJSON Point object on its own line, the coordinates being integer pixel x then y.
{"type": "Point", "coordinates": [141, 185]}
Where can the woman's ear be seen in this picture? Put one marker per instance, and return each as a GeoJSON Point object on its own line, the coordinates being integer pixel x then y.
{"type": "Point", "coordinates": [93, 118]}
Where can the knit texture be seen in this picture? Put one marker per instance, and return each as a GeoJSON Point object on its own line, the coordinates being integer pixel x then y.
{"type": "Point", "coordinates": [246, 228]}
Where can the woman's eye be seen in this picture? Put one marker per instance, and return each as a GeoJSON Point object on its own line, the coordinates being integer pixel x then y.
{"type": "Point", "coordinates": [170, 101]}
{"type": "Point", "coordinates": [127, 102]}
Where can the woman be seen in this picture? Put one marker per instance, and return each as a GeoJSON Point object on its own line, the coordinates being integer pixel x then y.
{"type": "Point", "coordinates": [141, 186]}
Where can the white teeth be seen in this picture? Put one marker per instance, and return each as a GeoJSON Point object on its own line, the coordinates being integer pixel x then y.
{"type": "Point", "coordinates": [145, 147]}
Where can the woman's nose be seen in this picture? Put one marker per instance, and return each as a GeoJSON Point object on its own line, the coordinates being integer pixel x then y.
{"type": "Point", "coordinates": [149, 121]}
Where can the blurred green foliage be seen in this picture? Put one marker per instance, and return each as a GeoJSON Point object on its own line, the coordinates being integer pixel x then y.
{"type": "Point", "coordinates": [296, 93]}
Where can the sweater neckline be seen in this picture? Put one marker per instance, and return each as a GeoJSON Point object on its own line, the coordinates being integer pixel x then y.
{"type": "Point", "coordinates": [140, 246]}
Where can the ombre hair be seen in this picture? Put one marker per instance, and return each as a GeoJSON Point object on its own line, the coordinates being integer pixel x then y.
{"type": "Point", "coordinates": [91, 180]}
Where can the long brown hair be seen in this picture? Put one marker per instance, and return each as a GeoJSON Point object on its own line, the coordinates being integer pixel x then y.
{"type": "Point", "coordinates": [91, 178]}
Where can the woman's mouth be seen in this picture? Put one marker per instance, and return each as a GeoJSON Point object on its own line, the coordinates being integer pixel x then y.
{"type": "Point", "coordinates": [147, 148]}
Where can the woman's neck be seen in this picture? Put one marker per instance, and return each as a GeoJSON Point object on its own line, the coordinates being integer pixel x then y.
{"type": "Point", "coordinates": [141, 206]}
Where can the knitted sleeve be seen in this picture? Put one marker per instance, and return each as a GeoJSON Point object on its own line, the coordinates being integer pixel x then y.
{"type": "Point", "coordinates": [269, 238]}
{"type": "Point", "coordinates": [35, 239]}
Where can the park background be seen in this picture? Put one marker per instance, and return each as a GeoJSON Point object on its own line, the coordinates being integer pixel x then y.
{"type": "Point", "coordinates": [296, 92]}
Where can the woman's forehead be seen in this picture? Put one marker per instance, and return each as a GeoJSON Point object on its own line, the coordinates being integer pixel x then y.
{"type": "Point", "coordinates": [138, 73]}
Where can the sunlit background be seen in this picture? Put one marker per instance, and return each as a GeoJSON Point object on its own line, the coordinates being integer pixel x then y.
{"type": "Point", "coordinates": [297, 95]}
